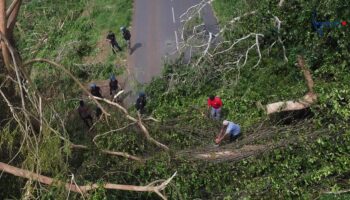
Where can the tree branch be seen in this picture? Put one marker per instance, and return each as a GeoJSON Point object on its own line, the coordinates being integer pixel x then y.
{"type": "Point", "coordinates": [3, 30]}
{"type": "Point", "coordinates": [305, 102]}
{"type": "Point", "coordinates": [11, 15]}
{"type": "Point", "coordinates": [81, 189]}
{"type": "Point", "coordinates": [138, 121]}
{"type": "Point", "coordinates": [69, 74]}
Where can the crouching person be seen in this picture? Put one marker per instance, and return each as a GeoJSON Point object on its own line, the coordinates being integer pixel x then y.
{"type": "Point", "coordinates": [229, 131]}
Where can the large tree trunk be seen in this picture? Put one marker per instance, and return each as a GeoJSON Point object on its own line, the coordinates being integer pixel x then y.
{"type": "Point", "coordinates": [11, 15]}
{"type": "Point", "coordinates": [3, 29]}
{"type": "Point", "coordinates": [292, 105]}
{"type": "Point", "coordinates": [8, 18]}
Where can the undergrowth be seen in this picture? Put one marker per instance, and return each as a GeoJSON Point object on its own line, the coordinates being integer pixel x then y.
{"type": "Point", "coordinates": [301, 169]}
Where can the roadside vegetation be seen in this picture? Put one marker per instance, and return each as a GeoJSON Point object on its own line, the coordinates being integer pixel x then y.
{"type": "Point", "coordinates": [302, 155]}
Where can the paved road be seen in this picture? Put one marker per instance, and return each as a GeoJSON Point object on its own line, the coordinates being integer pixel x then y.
{"type": "Point", "coordinates": [155, 35]}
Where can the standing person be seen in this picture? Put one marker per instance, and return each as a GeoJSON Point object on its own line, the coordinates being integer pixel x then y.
{"type": "Point", "coordinates": [113, 42]}
{"type": "Point", "coordinates": [95, 90]}
{"type": "Point", "coordinates": [215, 104]}
{"type": "Point", "coordinates": [85, 114]}
{"type": "Point", "coordinates": [126, 36]}
{"type": "Point", "coordinates": [141, 103]}
{"type": "Point", "coordinates": [113, 86]}
{"type": "Point", "coordinates": [229, 130]}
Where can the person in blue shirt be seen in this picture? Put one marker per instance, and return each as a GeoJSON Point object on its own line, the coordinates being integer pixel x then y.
{"type": "Point", "coordinates": [229, 130]}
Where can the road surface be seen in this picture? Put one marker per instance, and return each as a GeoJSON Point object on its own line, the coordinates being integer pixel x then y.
{"type": "Point", "coordinates": [155, 35]}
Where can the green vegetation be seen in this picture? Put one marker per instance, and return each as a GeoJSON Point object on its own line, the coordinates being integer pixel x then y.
{"type": "Point", "coordinates": [312, 154]}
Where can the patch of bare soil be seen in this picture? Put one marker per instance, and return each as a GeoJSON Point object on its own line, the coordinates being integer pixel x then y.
{"type": "Point", "coordinates": [103, 51]}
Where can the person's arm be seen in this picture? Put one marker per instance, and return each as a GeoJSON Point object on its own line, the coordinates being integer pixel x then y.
{"type": "Point", "coordinates": [218, 141]}
{"type": "Point", "coordinates": [221, 135]}
{"type": "Point", "coordinates": [220, 103]}
{"type": "Point", "coordinates": [221, 132]}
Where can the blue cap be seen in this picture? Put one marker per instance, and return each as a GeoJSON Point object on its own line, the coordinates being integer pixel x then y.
{"type": "Point", "coordinates": [112, 78]}
{"type": "Point", "coordinates": [93, 85]}
{"type": "Point", "coordinates": [142, 94]}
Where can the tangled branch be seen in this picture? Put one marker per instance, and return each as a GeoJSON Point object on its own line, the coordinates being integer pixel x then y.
{"type": "Point", "coordinates": [137, 121]}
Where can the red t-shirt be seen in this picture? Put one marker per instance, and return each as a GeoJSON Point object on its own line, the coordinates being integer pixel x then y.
{"type": "Point", "coordinates": [216, 103]}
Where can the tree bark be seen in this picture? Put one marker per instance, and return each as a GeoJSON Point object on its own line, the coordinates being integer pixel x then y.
{"type": "Point", "coordinates": [3, 30]}
{"type": "Point", "coordinates": [11, 15]}
{"type": "Point", "coordinates": [305, 102]}
{"type": "Point", "coordinates": [80, 189]}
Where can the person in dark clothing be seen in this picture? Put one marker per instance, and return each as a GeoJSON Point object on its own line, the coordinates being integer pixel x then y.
{"type": "Point", "coordinates": [113, 42]}
{"type": "Point", "coordinates": [95, 90]}
{"type": "Point", "coordinates": [141, 103]}
{"type": "Point", "coordinates": [113, 86]}
{"type": "Point", "coordinates": [85, 114]}
{"type": "Point", "coordinates": [126, 36]}
{"type": "Point", "coordinates": [98, 112]}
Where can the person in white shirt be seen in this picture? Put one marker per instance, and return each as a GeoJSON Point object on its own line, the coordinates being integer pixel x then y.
{"type": "Point", "coordinates": [229, 130]}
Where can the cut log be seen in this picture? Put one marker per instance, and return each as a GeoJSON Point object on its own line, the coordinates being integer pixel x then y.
{"type": "Point", "coordinates": [303, 103]}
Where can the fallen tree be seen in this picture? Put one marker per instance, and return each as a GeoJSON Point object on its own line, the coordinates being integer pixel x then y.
{"type": "Point", "coordinates": [86, 188]}
{"type": "Point", "coordinates": [302, 103]}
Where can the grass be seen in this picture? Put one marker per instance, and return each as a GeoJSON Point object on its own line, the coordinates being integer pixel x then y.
{"type": "Point", "coordinates": [73, 34]}
{"type": "Point", "coordinates": [79, 27]}
{"type": "Point", "coordinates": [335, 197]}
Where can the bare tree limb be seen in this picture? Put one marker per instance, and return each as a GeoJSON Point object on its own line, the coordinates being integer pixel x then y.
{"type": "Point", "coordinates": [85, 188]}
{"type": "Point", "coordinates": [305, 102]}
{"type": "Point", "coordinates": [111, 131]}
{"type": "Point", "coordinates": [338, 192]}
{"type": "Point", "coordinates": [138, 121]}
{"type": "Point", "coordinates": [69, 74]}
{"type": "Point", "coordinates": [12, 7]}
{"type": "Point", "coordinates": [11, 14]}
{"type": "Point", "coordinates": [114, 153]}
{"type": "Point", "coordinates": [280, 4]}
{"type": "Point", "coordinates": [3, 30]}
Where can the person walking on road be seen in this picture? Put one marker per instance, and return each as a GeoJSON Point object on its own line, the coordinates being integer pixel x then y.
{"type": "Point", "coordinates": [141, 103]}
{"type": "Point", "coordinates": [113, 42]}
{"type": "Point", "coordinates": [127, 37]}
{"type": "Point", "coordinates": [85, 114]}
{"type": "Point", "coordinates": [214, 107]}
{"type": "Point", "coordinates": [229, 130]}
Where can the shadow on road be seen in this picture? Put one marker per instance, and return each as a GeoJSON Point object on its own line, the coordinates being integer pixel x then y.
{"type": "Point", "coordinates": [136, 46]}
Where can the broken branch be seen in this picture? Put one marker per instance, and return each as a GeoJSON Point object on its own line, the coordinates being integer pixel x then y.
{"type": "Point", "coordinates": [85, 188]}
{"type": "Point", "coordinates": [305, 102]}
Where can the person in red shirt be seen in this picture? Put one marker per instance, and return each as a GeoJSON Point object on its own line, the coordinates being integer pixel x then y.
{"type": "Point", "coordinates": [215, 104]}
